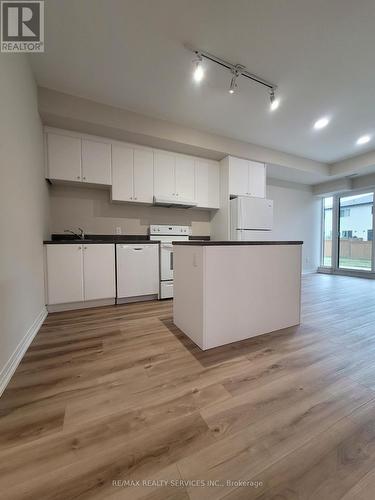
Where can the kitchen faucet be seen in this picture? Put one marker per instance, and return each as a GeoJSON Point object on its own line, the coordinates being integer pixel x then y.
{"type": "Point", "coordinates": [80, 236]}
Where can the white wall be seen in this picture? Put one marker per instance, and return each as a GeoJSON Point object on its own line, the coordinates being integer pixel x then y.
{"type": "Point", "coordinates": [92, 210]}
{"type": "Point", "coordinates": [297, 216]}
{"type": "Point", "coordinates": [23, 210]}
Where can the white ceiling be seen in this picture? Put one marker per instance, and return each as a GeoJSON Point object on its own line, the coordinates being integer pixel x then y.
{"type": "Point", "coordinates": [131, 54]}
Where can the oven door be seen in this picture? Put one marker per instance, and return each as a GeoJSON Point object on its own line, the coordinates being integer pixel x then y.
{"type": "Point", "coordinates": [166, 261]}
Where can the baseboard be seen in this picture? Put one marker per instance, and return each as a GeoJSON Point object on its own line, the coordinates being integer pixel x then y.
{"type": "Point", "coordinates": [72, 306]}
{"type": "Point", "coordinates": [309, 271]}
{"type": "Point", "coordinates": [15, 359]}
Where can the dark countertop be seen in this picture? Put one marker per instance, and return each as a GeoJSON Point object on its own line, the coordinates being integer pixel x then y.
{"type": "Point", "coordinates": [233, 243]}
{"type": "Point", "coordinates": [137, 239]}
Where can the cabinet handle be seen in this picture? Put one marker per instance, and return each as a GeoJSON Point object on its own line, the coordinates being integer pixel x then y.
{"type": "Point", "coordinates": [131, 197]}
{"type": "Point", "coordinates": [135, 198]}
{"type": "Point", "coordinates": [84, 178]}
{"type": "Point", "coordinates": [85, 248]}
{"type": "Point", "coordinates": [78, 177]}
{"type": "Point", "coordinates": [79, 248]}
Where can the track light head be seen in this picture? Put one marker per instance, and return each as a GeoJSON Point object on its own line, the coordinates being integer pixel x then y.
{"type": "Point", "coordinates": [198, 69]}
{"type": "Point", "coordinates": [233, 85]}
{"type": "Point", "coordinates": [274, 102]}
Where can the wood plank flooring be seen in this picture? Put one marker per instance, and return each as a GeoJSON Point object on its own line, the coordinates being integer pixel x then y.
{"type": "Point", "coordinates": [108, 397]}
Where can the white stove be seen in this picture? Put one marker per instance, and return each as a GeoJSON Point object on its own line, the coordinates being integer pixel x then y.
{"type": "Point", "coordinates": [166, 235]}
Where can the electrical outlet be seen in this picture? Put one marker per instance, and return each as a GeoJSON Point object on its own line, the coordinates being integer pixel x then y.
{"type": "Point", "coordinates": [118, 230]}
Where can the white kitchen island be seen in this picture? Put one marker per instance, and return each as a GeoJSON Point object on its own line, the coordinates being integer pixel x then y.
{"type": "Point", "coordinates": [232, 290]}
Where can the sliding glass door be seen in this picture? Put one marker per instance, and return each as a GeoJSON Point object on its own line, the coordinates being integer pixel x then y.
{"type": "Point", "coordinates": [355, 232]}
{"type": "Point", "coordinates": [347, 233]}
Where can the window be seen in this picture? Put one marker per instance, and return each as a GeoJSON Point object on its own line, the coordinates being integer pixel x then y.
{"type": "Point", "coordinates": [344, 212]}
{"type": "Point", "coordinates": [369, 234]}
{"type": "Point", "coordinates": [327, 232]}
{"type": "Point", "coordinates": [347, 234]}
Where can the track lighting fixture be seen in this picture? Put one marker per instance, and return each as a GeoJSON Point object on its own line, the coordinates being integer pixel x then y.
{"type": "Point", "coordinates": [237, 71]}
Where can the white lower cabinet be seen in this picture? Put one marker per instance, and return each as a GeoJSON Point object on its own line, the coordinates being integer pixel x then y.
{"type": "Point", "coordinates": [79, 272]}
{"type": "Point", "coordinates": [99, 271]}
{"type": "Point", "coordinates": [137, 270]}
{"type": "Point", "coordinates": [64, 273]}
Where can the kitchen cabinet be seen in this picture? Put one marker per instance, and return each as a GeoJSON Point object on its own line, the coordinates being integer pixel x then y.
{"type": "Point", "coordinates": [64, 273]}
{"type": "Point", "coordinates": [132, 174]}
{"type": "Point", "coordinates": [96, 162]}
{"type": "Point", "coordinates": [99, 271]}
{"type": "Point", "coordinates": [79, 272]}
{"type": "Point", "coordinates": [143, 176]}
{"type": "Point", "coordinates": [71, 158]}
{"type": "Point", "coordinates": [137, 270]}
{"type": "Point", "coordinates": [207, 184]}
{"type": "Point", "coordinates": [64, 157]}
{"type": "Point", "coordinates": [164, 174]}
{"type": "Point", "coordinates": [257, 179]}
{"type": "Point", "coordinates": [174, 176]}
{"type": "Point", "coordinates": [122, 173]}
{"type": "Point", "coordinates": [247, 178]}
{"type": "Point", "coordinates": [185, 177]}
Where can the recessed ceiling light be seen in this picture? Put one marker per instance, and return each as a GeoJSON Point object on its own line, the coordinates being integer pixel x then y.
{"type": "Point", "coordinates": [363, 140]}
{"type": "Point", "coordinates": [321, 123]}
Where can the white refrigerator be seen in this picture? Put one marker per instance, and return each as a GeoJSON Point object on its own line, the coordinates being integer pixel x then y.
{"type": "Point", "coordinates": [249, 217]}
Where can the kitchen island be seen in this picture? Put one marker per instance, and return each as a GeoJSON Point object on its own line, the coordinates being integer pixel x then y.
{"type": "Point", "coordinates": [226, 291]}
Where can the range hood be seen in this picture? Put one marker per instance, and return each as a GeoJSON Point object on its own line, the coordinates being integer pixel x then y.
{"type": "Point", "coordinates": [166, 201]}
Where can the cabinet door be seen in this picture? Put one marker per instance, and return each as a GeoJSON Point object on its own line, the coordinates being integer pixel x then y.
{"type": "Point", "coordinates": [99, 271]}
{"type": "Point", "coordinates": [122, 173]}
{"type": "Point", "coordinates": [238, 176]}
{"type": "Point", "coordinates": [207, 182]}
{"type": "Point", "coordinates": [164, 174]}
{"type": "Point", "coordinates": [257, 179]}
{"type": "Point", "coordinates": [143, 176]}
{"type": "Point", "coordinates": [96, 162]}
{"type": "Point", "coordinates": [64, 157]}
{"type": "Point", "coordinates": [185, 178]}
{"type": "Point", "coordinates": [64, 273]}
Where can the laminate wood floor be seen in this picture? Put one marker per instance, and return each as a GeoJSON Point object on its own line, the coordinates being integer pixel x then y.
{"type": "Point", "coordinates": [108, 398]}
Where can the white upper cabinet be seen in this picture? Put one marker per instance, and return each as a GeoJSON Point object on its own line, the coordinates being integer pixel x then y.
{"type": "Point", "coordinates": [96, 162]}
{"type": "Point", "coordinates": [71, 158]}
{"type": "Point", "coordinates": [207, 184]}
{"type": "Point", "coordinates": [164, 174]}
{"type": "Point", "coordinates": [64, 273]}
{"type": "Point", "coordinates": [132, 174]}
{"type": "Point", "coordinates": [257, 179]}
{"type": "Point", "coordinates": [238, 176]}
{"type": "Point", "coordinates": [143, 176]}
{"type": "Point", "coordinates": [63, 157]}
{"type": "Point", "coordinates": [174, 175]}
{"type": "Point", "coordinates": [99, 271]}
{"type": "Point", "coordinates": [247, 178]}
{"type": "Point", "coordinates": [185, 177]}
{"type": "Point", "coordinates": [122, 173]}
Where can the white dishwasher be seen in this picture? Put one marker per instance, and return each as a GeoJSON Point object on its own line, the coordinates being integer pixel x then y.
{"type": "Point", "coordinates": [137, 272]}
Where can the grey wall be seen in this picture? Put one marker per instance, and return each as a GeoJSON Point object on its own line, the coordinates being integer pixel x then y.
{"type": "Point", "coordinates": [23, 209]}
{"type": "Point", "coordinates": [92, 210]}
